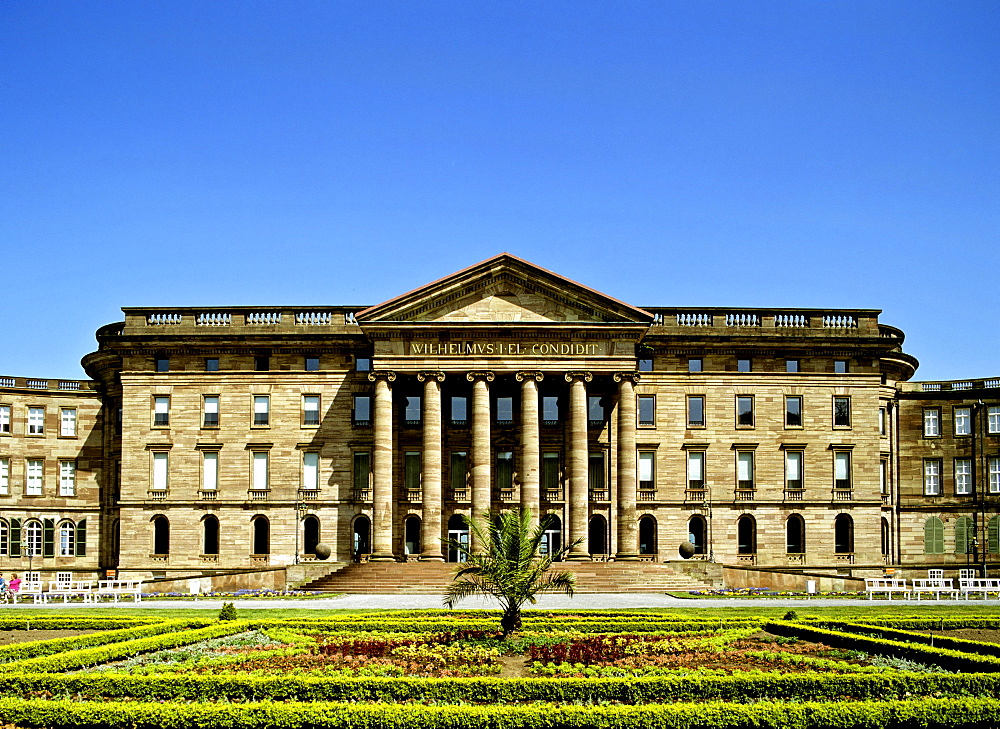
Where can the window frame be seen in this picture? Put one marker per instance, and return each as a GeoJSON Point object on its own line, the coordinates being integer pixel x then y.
{"type": "Point", "coordinates": [34, 485]}
{"type": "Point", "coordinates": [161, 417]}
{"type": "Point", "coordinates": [161, 364]}
{"type": "Point", "coordinates": [155, 482]}
{"type": "Point", "coordinates": [63, 412]}
{"type": "Point", "coordinates": [746, 455]}
{"type": "Point", "coordinates": [744, 364]}
{"type": "Point", "coordinates": [67, 486]}
{"type": "Point", "coordinates": [929, 477]}
{"type": "Point", "coordinates": [307, 400]}
{"type": "Point", "coordinates": [788, 413]}
{"type": "Point", "coordinates": [967, 430]}
{"type": "Point", "coordinates": [932, 417]}
{"type": "Point", "coordinates": [255, 420]}
{"type": "Point", "coordinates": [211, 364]}
{"type": "Point", "coordinates": [691, 422]}
{"type": "Point", "coordinates": [700, 456]}
{"type": "Point", "coordinates": [838, 399]}
{"type": "Point", "coordinates": [696, 364]}
{"type": "Point", "coordinates": [963, 476]}
{"type": "Point", "coordinates": [993, 420]}
{"type": "Point", "coordinates": [210, 456]}
{"type": "Point", "coordinates": [5, 418]}
{"type": "Point", "coordinates": [4, 475]}
{"type": "Point", "coordinates": [310, 363]}
{"type": "Point", "coordinates": [993, 467]}
{"type": "Point", "coordinates": [843, 484]}
{"type": "Point", "coordinates": [639, 400]}
{"type": "Point", "coordinates": [35, 420]}
{"type": "Point", "coordinates": [841, 367]}
{"type": "Point", "coordinates": [793, 366]}
{"type": "Point", "coordinates": [355, 420]}
{"type": "Point", "coordinates": [645, 456]}
{"type": "Point", "coordinates": [801, 456]}
{"type": "Point", "coordinates": [205, 412]}
{"type": "Point", "coordinates": [260, 476]}
{"type": "Point", "coordinates": [752, 412]}
{"type": "Point", "coordinates": [304, 484]}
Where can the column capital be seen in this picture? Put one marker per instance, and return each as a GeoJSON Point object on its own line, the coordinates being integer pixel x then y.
{"type": "Point", "coordinates": [632, 377]}
{"type": "Point", "coordinates": [387, 375]}
{"type": "Point", "coordinates": [529, 375]}
{"type": "Point", "coordinates": [430, 375]}
{"type": "Point", "coordinates": [480, 375]}
{"type": "Point", "coordinates": [585, 376]}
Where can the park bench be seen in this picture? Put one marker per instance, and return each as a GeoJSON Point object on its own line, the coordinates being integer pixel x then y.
{"type": "Point", "coordinates": [886, 586]}
{"type": "Point", "coordinates": [934, 586]}
{"type": "Point", "coordinates": [76, 588]}
{"type": "Point", "coordinates": [32, 590]}
{"type": "Point", "coordinates": [979, 586]}
{"type": "Point", "coordinates": [119, 588]}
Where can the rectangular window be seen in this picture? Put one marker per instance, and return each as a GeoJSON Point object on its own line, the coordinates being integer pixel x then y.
{"type": "Point", "coordinates": [310, 410]}
{"type": "Point", "coordinates": [505, 411]}
{"type": "Point", "coordinates": [4, 418]}
{"type": "Point", "coordinates": [411, 410]}
{"type": "Point", "coordinates": [647, 470]}
{"type": "Point", "coordinates": [840, 366]}
{"type": "Point", "coordinates": [883, 478]}
{"type": "Point", "coordinates": [162, 364]}
{"type": "Point", "coordinates": [262, 363]}
{"type": "Point", "coordinates": [160, 471]}
{"type": "Point", "coordinates": [210, 471]}
{"type": "Point", "coordinates": [363, 364]}
{"type": "Point", "coordinates": [459, 410]}
{"type": "Point", "coordinates": [36, 421]}
{"type": "Point", "coordinates": [791, 365]}
{"type": "Point", "coordinates": [411, 470]}
{"type": "Point", "coordinates": [993, 426]}
{"type": "Point", "coordinates": [4, 476]}
{"type": "Point", "coordinates": [841, 412]}
{"type": "Point", "coordinates": [459, 464]}
{"type": "Point", "coordinates": [505, 470]}
{"type": "Point", "coordinates": [793, 411]}
{"type": "Point", "coordinates": [35, 477]}
{"type": "Point", "coordinates": [695, 364]}
{"type": "Point", "coordinates": [881, 421]}
{"type": "Point", "coordinates": [647, 410]}
{"type": "Point", "coordinates": [362, 471]}
{"type": "Point", "coordinates": [596, 476]}
{"type": "Point", "coordinates": [161, 411]}
{"type": "Point", "coordinates": [793, 470]}
{"type": "Point", "coordinates": [744, 365]}
{"type": "Point", "coordinates": [595, 408]}
{"type": "Point", "coordinates": [210, 411]}
{"type": "Point", "coordinates": [963, 421]}
{"type": "Point", "coordinates": [963, 476]}
{"type": "Point", "coordinates": [312, 364]}
{"type": "Point", "coordinates": [211, 364]}
{"type": "Point", "coordinates": [932, 477]}
{"type": "Point", "coordinates": [67, 422]}
{"type": "Point", "coordinates": [261, 410]}
{"type": "Point", "coordinates": [646, 365]}
{"type": "Point", "coordinates": [932, 422]}
{"type": "Point", "coordinates": [696, 470]}
{"type": "Point", "coordinates": [67, 478]}
{"type": "Point", "coordinates": [261, 472]}
{"type": "Point", "coordinates": [696, 411]}
{"type": "Point", "coordinates": [842, 470]}
{"type": "Point", "coordinates": [744, 470]}
{"type": "Point", "coordinates": [744, 411]}
{"type": "Point", "coordinates": [995, 475]}
{"type": "Point", "coordinates": [550, 409]}
{"type": "Point", "coordinates": [550, 475]}
{"type": "Point", "coordinates": [362, 412]}
{"type": "Point", "coordinates": [310, 471]}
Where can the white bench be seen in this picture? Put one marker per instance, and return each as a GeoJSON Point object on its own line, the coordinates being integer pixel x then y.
{"type": "Point", "coordinates": [119, 588]}
{"type": "Point", "coordinates": [934, 586]}
{"type": "Point", "coordinates": [32, 590]}
{"type": "Point", "coordinates": [886, 586]}
{"type": "Point", "coordinates": [76, 588]}
{"type": "Point", "coordinates": [979, 585]}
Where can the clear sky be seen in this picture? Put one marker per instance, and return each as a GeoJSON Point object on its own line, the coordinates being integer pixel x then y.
{"type": "Point", "coordinates": [668, 153]}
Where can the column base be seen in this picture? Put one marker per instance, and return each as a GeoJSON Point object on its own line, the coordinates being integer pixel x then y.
{"type": "Point", "coordinates": [579, 557]}
{"type": "Point", "coordinates": [382, 557]}
{"type": "Point", "coordinates": [432, 557]}
{"type": "Point", "coordinates": [626, 557]}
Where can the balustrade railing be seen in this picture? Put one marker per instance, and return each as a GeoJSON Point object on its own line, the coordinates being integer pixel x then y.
{"type": "Point", "coordinates": [598, 494]}
{"type": "Point", "coordinates": [156, 495]}
{"type": "Point", "coordinates": [361, 495]}
{"type": "Point", "coordinates": [646, 496]}
{"type": "Point", "coordinates": [843, 494]}
{"type": "Point", "coordinates": [308, 494]}
{"type": "Point", "coordinates": [208, 495]}
{"type": "Point", "coordinates": [745, 494]}
{"type": "Point", "coordinates": [261, 318]}
{"type": "Point", "coordinates": [258, 494]}
{"type": "Point", "coordinates": [553, 494]}
{"type": "Point", "coordinates": [213, 319]}
{"type": "Point", "coordinates": [793, 494]}
{"type": "Point", "coordinates": [742, 320]}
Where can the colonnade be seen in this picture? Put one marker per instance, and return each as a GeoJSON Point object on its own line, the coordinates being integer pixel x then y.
{"type": "Point", "coordinates": [481, 458]}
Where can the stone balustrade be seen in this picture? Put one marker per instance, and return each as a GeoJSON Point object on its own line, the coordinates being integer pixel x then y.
{"type": "Point", "coordinates": [34, 383]}
{"type": "Point", "coordinates": [195, 320]}
{"type": "Point", "coordinates": [786, 321]}
{"type": "Point", "coordinates": [991, 383]}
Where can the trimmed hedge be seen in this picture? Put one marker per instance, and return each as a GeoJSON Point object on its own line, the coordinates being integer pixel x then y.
{"type": "Point", "coordinates": [323, 715]}
{"type": "Point", "coordinates": [48, 622]}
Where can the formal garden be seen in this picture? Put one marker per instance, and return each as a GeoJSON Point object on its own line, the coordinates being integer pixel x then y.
{"type": "Point", "coordinates": [843, 667]}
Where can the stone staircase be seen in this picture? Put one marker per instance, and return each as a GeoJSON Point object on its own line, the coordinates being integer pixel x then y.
{"type": "Point", "coordinates": [430, 578]}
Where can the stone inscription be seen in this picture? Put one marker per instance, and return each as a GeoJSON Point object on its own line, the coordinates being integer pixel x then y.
{"type": "Point", "coordinates": [506, 349]}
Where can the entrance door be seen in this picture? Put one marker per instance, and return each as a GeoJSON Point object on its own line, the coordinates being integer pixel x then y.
{"type": "Point", "coordinates": [551, 538]}
{"type": "Point", "coordinates": [362, 537]}
{"type": "Point", "coordinates": [457, 532]}
{"type": "Point", "coordinates": [411, 529]}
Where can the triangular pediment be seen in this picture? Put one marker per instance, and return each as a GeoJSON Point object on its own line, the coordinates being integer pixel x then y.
{"type": "Point", "coordinates": [504, 289]}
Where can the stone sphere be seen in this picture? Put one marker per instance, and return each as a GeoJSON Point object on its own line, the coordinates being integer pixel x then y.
{"type": "Point", "coordinates": [323, 551]}
{"type": "Point", "coordinates": [686, 550]}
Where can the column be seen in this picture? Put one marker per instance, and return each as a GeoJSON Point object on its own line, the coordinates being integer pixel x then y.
{"type": "Point", "coordinates": [430, 526]}
{"type": "Point", "coordinates": [529, 459]}
{"type": "Point", "coordinates": [382, 467]}
{"type": "Point", "coordinates": [628, 525]}
{"type": "Point", "coordinates": [579, 453]}
{"type": "Point", "coordinates": [482, 451]}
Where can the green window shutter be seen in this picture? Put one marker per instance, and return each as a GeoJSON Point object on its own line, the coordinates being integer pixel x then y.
{"type": "Point", "coordinates": [15, 537]}
{"type": "Point", "coordinates": [81, 538]}
{"type": "Point", "coordinates": [993, 535]}
{"type": "Point", "coordinates": [48, 538]}
{"type": "Point", "coordinates": [933, 536]}
{"type": "Point", "coordinates": [962, 536]}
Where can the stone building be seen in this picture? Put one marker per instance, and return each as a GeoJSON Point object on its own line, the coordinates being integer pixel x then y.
{"type": "Point", "coordinates": [227, 443]}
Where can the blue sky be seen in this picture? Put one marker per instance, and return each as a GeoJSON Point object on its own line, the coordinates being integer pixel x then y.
{"type": "Point", "coordinates": [671, 153]}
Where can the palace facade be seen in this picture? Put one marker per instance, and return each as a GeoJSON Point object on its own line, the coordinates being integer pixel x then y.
{"type": "Point", "coordinates": [232, 441]}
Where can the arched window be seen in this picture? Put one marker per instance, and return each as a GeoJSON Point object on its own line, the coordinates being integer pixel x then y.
{"type": "Point", "coordinates": [885, 537]}
{"type": "Point", "coordinates": [310, 533]}
{"type": "Point", "coordinates": [647, 535]}
{"type": "Point", "coordinates": [33, 538]}
{"type": "Point", "coordinates": [746, 535]}
{"type": "Point", "coordinates": [458, 532]}
{"type": "Point", "coordinates": [843, 534]}
{"type": "Point", "coordinates": [551, 536]}
{"type": "Point", "coordinates": [210, 535]}
{"type": "Point", "coordinates": [362, 536]}
{"type": "Point", "coordinates": [795, 535]}
{"type": "Point", "coordinates": [4, 538]}
{"type": "Point", "coordinates": [261, 530]}
{"type": "Point", "coordinates": [161, 535]}
{"type": "Point", "coordinates": [993, 535]}
{"type": "Point", "coordinates": [597, 535]}
{"type": "Point", "coordinates": [411, 535]}
{"type": "Point", "coordinates": [696, 533]}
{"type": "Point", "coordinates": [964, 534]}
{"type": "Point", "coordinates": [67, 539]}
{"type": "Point", "coordinates": [933, 536]}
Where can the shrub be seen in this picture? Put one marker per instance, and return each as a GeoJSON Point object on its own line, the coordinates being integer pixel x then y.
{"type": "Point", "coordinates": [228, 612]}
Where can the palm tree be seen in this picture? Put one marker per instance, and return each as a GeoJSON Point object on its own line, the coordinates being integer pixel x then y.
{"type": "Point", "coordinates": [506, 564]}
